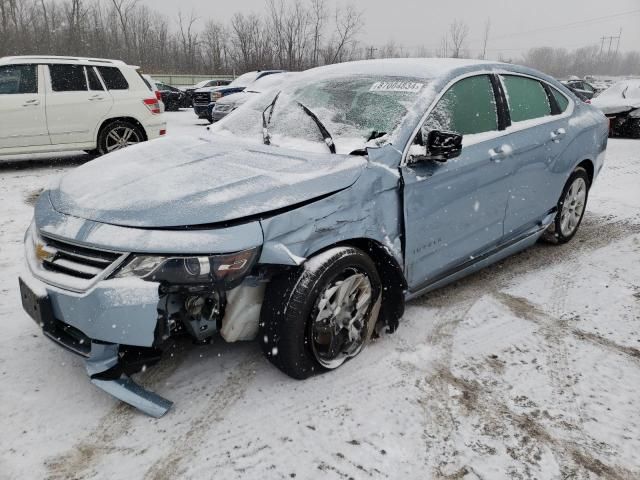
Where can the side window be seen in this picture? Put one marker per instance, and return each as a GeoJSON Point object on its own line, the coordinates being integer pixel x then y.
{"type": "Point", "coordinates": [468, 107]}
{"type": "Point", "coordinates": [94, 81]}
{"type": "Point", "coordinates": [113, 78]}
{"type": "Point", "coordinates": [67, 78]}
{"type": "Point", "coordinates": [561, 100]}
{"type": "Point", "coordinates": [527, 98]}
{"type": "Point", "coordinates": [18, 79]}
{"type": "Point", "coordinates": [587, 87]}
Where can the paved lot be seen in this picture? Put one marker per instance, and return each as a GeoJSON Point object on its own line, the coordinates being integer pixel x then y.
{"type": "Point", "coordinates": [529, 369]}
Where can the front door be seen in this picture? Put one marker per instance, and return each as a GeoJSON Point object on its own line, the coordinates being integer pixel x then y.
{"type": "Point", "coordinates": [22, 107]}
{"type": "Point", "coordinates": [455, 210]}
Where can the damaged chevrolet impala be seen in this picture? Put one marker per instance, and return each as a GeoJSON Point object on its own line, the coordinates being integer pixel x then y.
{"type": "Point", "coordinates": [306, 218]}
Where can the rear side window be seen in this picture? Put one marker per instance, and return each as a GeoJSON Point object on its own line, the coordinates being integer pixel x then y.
{"type": "Point", "coordinates": [561, 100]}
{"type": "Point", "coordinates": [94, 81]}
{"type": "Point", "coordinates": [468, 107]}
{"type": "Point", "coordinates": [17, 79]}
{"type": "Point", "coordinates": [113, 78]}
{"type": "Point", "coordinates": [144, 80]}
{"type": "Point", "coordinates": [527, 98]}
{"type": "Point", "coordinates": [67, 78]}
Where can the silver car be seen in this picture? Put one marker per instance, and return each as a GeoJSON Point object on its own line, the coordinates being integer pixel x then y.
{"type": "Point", "coordinates": [307, 218]}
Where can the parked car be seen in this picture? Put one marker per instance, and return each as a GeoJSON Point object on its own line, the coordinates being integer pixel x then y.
{"type": "Point", "coordinates": [68, 103]}
{"type": "Point", "coordinates": [203, 98]}
{"type": "Point", "coordinates": [172, 97]}
{"type": "Point", "coordinates": [581, 88]}
{"type": "Point", "coordinates": [309, 216]}
{"type": "Point", "coordinates": [188, 103]}
{"type": "Point", "coordinates": [229, 103]}
{"type": "Point", "coordinates": [621, 104]}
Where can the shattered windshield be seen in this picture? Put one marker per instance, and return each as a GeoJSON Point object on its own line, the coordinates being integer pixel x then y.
{"type": "Point", "coordinates": [353, 108]}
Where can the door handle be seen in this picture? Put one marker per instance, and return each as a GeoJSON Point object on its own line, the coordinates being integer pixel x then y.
{"type": "Point", "coordinates": [498, 153]}
{"type": "Point", "coordinates": [96, 97]}
{"type": "Point", "coordinates": [31, 103]}
{"type": "Point", "coordinates": [558, 134]}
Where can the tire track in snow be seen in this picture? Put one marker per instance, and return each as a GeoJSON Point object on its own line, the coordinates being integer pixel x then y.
{"type": "Point", "coordinates": [79, 461]}
{"type": "Point", "coordinates": [230, 391]}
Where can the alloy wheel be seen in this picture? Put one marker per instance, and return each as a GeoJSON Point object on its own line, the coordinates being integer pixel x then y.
{"type": "Point", "coordinates": [573, 206]}
{"type": "Point", "coordinates": [339, 327]}
{"type": "Point", "coordinates": [121, 137]}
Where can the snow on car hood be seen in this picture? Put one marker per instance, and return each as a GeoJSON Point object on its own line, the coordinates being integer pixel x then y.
{"type": "Point", "coordinates": [620, 97]}
{"type": "Point", "coordinates": [189, 181]}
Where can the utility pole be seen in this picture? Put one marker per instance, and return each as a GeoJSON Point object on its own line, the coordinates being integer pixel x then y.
{"type": "Point", "coordinates": [618, 43]}
{"type": "Point", "coordinates": [610, 38]}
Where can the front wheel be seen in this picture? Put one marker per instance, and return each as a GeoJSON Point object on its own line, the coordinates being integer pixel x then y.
{"type": "Point", "coordinates": [317, 317]}
{"type": "Point", "coordinates": [571, 207]}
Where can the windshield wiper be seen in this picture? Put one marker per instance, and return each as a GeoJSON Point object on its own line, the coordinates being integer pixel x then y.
{"type": "Point", "coordinates": [328, 139]}
{"type": "Point", "coordinates": [266, 138]}
{"type": "Point", "coordinates": [375, 135]}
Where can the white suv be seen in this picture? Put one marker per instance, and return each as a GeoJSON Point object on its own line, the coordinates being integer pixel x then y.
{"type": "Point", "coordinates": [63, 103]}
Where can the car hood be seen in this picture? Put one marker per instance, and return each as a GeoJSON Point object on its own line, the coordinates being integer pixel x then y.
{"type": "Point", "coordinates": [621, 97]}
{"type": "Point", "coordinates": [219, 88]}
{"type": "Point", "coordinates": [186, 181]}
{"type": "Point", "coordinates": [236, 98]}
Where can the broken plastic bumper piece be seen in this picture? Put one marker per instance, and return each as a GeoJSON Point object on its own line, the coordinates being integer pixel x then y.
{"type": "Point", "coordinates": [107, 373]}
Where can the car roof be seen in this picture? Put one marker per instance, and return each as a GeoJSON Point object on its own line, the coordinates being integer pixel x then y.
{"type": "Point", "coordinates": [60, 59]}
{"type": "Point", "coordinates": [407, 67]}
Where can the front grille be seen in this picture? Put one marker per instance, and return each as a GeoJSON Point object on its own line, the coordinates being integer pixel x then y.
{"type": "Point", "coordinates": [202, 98]}
{"type": "Point", "coordinates": [79, 262]}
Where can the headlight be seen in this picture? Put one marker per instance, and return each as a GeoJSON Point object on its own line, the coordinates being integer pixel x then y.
{"type": "Point", "coordinates": [228, 269]}
{"type": "Point", "coordinates": [227, 107]}
{"type": "Point", "coordinates": [215, 96]}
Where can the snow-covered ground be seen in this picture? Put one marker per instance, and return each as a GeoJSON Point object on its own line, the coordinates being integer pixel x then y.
{"type": "Point", "coordinates": [529, 369]}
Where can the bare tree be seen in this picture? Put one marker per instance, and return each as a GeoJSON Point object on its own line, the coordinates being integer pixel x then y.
{"type": "Point", "coordinates": [348, 25]}
{"type": "Point", "coordinates": [458, 32]}
{"type": "Point", "coordinates": [124, 9]}
{"type": "Point", "coordinates": [318, 20]}
{"type": "Point", "coordinates": [443, 49]}
{"type": "Point", "coordinates": [188, 38]}
{"type": "Point", "coordinates": [485, 40]}
{"type": "Point", "coordinates": [297, 34]}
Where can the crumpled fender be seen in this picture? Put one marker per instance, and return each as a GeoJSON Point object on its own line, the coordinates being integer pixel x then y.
{"type": "Point", "coordinates": [371, 209]}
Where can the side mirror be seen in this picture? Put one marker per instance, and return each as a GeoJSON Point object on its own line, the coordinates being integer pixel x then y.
{"type": "Point", "coordinates": [441, 146]}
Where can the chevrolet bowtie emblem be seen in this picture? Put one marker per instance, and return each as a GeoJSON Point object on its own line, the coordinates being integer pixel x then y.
{"type": "Point", "coordinates": [44, 253]}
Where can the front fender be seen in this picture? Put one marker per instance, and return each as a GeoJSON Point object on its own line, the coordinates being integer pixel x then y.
{"type": "Point", "coordinates": [371, 208]}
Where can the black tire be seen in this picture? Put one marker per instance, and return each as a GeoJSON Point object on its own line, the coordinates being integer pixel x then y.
{"type": "Point", "coordinates": [116, 126]}
{"type": "Point", "coordinates": [291, 299]}
{"type": "Point", "coordinates": [554, 234]}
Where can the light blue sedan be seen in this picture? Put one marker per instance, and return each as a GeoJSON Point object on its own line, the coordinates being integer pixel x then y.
{"type": "Point", "coordinates": [308, 216]}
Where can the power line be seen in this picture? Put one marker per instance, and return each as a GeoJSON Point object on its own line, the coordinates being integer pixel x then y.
{"type": "Point", "coordinates": [581, 22]}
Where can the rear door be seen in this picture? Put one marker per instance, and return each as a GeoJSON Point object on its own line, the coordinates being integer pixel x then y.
{"type": "Point", "coordinates": [539, 135]}
{"type": "Point", "coordinates": [22, 107]}
{"type": "Point", "coordinates": [76, 103]}
{"type": "Point", "coordinates": [455, 210]}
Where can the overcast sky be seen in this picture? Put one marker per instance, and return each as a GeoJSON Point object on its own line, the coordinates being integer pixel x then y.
{"type": "Point", "coordinates": [516, 25]}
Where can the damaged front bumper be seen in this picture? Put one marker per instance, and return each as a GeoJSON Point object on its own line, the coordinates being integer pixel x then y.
{"type": "Point", "coordinates": [73, 288]}
{"type": "Point", "coordinates": [96, 325]}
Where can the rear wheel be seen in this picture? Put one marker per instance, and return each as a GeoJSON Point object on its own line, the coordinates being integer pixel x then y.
{"type": "Point", "coordinates": [118, 135]}
{"type": "Point", "coordinates": [571, 208]}
{"type": "Point", "coordinates": [320, 315]}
